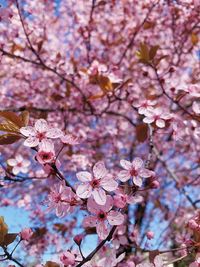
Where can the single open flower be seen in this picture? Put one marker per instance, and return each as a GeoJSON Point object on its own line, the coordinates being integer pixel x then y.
{"type": "Point", "coordinates": [39, 132]}
{"type": "Point", "coordinates": [96, 183]}
{"type": "Point", "coordinates": [102, 216]}
{"type": "Point", "coordinates": [18, 164]}
{"type": "Point", "coordinates": [135, 170]}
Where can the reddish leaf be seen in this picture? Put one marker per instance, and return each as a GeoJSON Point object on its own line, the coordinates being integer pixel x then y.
{"type": "Point", "coordinates": [12, 117]}
{"type": "Point", "coordinates": [8, 139]}
{"type": "Point", "coordinates": [8, 239]}
{"type": "Point", "coordinates": [141, 132]}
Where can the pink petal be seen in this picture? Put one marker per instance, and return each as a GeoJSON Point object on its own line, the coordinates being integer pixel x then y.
{"type": "Point", "coordinates": [84, 176]}
{"type": "Point", "coordinates": [26, 163]}
{"type": "Point", "coordinates": [160, 123]}
{"type": "Point", "coordinates": [145, 173]}
{"type": "Point", "coordinates": [134, 199]}
{"type": "Point", "coordinates": [148, 119]}
{"type": "Point", "coordinates": [54, 133]}
{"type": "Point", "coordinates": [124, 176]}
{"type": "Point", "coordinates": [92, 206]}
{"type": "Point", "coordinates": [12, 162]}
{"type": "Point", "coordinates": [108, 205]}
{"type": "Point", "coordinates": [31, 141]}
{"type": "Point", "coordinates": [109, 184]}
{"type": "Point", "coordinates": [99, 170]}
{"type": "Point", "coordinates": [137, 181]}
{"type": "Point", "coordinates": [46, 145]}
{"type": "Point", "coordinates": [99, 196]}
{"type": "Point", "coordinates": [137, 163]}
{"type": "Point", "coordinates": [70, 139]}
{"type": "Point", "coordinates": [16, 170]}
{"type": "Point", "coordinates": [125, 164]}
{"type": "Point", "coordinates": [28, 130]}
{"type": "Point", "coordinates": [102, 230]}
{"type": "Point", "coordinates": [84, 190]}
{"type": "Point", "coordinates": [41, 126]}
{"type": "Point", "coordinates": [115, 218]}
{"type": "Point", "coordinates": [60, 210]}
{"type": "Point", "coordinates": [19, 158]}
{"type": "Point", "coordinates": [89, 221]}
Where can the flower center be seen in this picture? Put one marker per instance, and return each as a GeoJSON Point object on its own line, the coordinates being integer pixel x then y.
{"type": "Point", "coordinates": [57, 198]}
{"type": "Point", "coordinates": [19, 164]}
{"type": "Point", "coordinates": [94, 183]}
{"type": "Point", "coordinates": [133, 172]}
{"type": "Point", "coordinates": [41, 136]}
{"type": "Point", "coordinates": [102, 216]}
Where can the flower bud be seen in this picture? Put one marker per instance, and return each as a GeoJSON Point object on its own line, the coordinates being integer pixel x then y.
{"type": "Point", "coordinates": [26, 234]}
{"type": "Point", "coordinates": [78, 239]}
{"type": "Point", "coordinates": [150, 235]}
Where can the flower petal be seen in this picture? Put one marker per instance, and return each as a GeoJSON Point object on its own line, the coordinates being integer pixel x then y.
{"type": "Point", "coordinates": [28, 130]}
{"type": "Point", "coordinates": [84, 190]}
{"type": "Point", "coordinates": [108, 184]}
{"type": "Point", "coordinates": [54, 133]}
{"type": "Point", "coordinates": [102, 230]}
{"type": "Point", "coordinates": [15, 170]}
{"type": "Point", "coordinates": [137, 163]}
{"type": "Point", "coordinates": [115, 218]}
{"type": "Point", "coordinates": [41, 126]}
{"type": "Point", "coordinates": [160, 123]}
{"type": "Point", "coordinates": [145, 173]}
{"type": "Point", "coordinates": [124, 176]}
{"type": "Point", "coordinates": [84, 176]}
{"type": "Point", "coordinates": [99, 196]}
{"type": "Point", "coordinates": [125, 164]}
{"type": "Point", "coordinates": [137, 181]}
{"type": "Point", "coordinates": [31, 141]}
{"type": "Point", "coordinates": [12, 162]}
{"type": "Point", "coordinates": [99, 170]}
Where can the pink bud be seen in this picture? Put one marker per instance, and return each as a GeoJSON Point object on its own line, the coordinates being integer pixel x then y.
{"type": "Point", "coordinates": [155, 184]}
{"type": "Point", "coordinates": [150, 235]}
{"type": "Point", "coordinates": [67, 258]}
{"type": "Point", "coordinates": [78, 239]}
{"type": "Point", "coordinates": [26, 234]}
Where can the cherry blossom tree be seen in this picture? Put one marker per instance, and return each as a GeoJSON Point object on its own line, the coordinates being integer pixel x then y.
{"type": "Point", "coordinates": [99, 132]}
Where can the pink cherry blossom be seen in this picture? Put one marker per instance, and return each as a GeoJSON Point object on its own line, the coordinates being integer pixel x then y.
{"type": "Point", "coordinates": [62, 199]}
{"type": "Point", "coordinates": [121, 199]}
{"type": "Point", "coordinates": [150, 235]}
{"type": "Point", "coordinates": [39, 132]}
{"type": "Point", "coordinates": [46, 152]}
{"type": "Point", "coordinates": [120, 237]}
{"type": "Point", "coordinates": [5, 14]}
{"type": "Point", "coordinates": [19, 164]}
{"type": "Point", "coordinates": [26, 234]}
{"type": "Point", "coordinates": [102, 216]}
{"type": "Point", "coordinates": [144, 105]}
{"type": "Point", "coordinates": [193, 90]}
{"type": "Point", "coordinates": [70, 139]}
{"type": "Point", "coordinates": [135, 170]}
{"type": "Point", "coordinates": [158, 116]}
{"type": "Point", "coordinates": [67, 258]}
{"type": "Point", "coordinates": [96, 183]}
{"type": "Point", "coordinates": [196, 107]}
